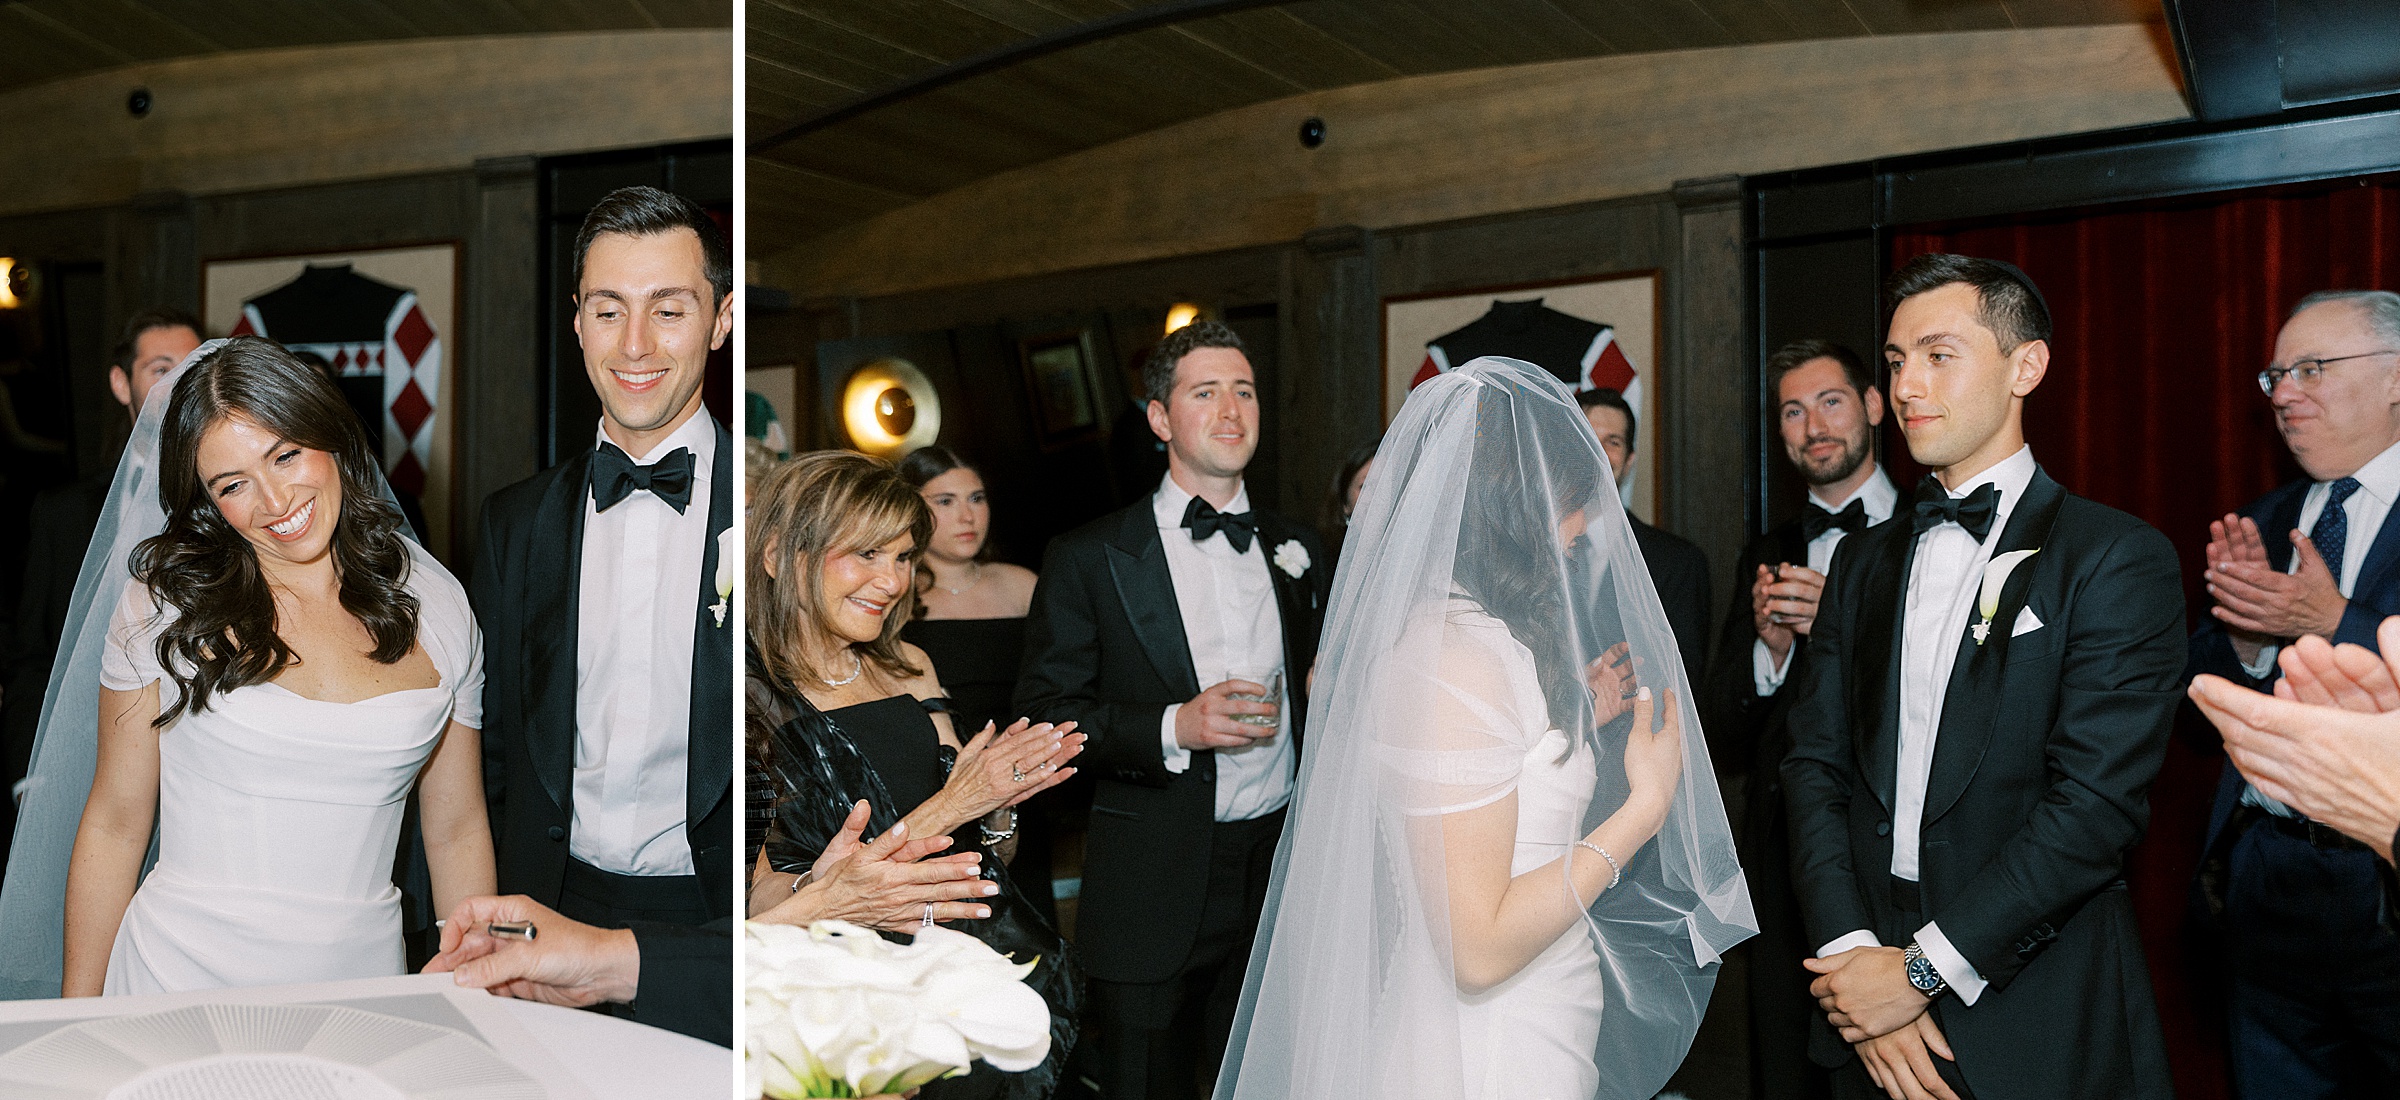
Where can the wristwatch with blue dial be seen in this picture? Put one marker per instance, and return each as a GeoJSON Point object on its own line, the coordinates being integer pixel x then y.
{"type": "Point", "coordinates": [1921, 973]}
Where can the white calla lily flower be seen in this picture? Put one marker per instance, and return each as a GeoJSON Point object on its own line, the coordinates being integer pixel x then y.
{"type": "Point", "coordinates": [835, 1007]}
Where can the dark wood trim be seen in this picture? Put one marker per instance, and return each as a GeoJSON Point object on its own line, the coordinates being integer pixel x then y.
{"type": "Point", "coordinates": [2232, 56]}
{"type": "Point", "coordinates": [1098, 30]}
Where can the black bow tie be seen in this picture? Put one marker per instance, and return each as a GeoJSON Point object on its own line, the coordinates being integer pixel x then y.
{"type": "Point", "coordinates": [1203, 519]}
{"type": "Point", "coordinates": [1935, 506]}
{"type": "Point", "coordinates": [1817, 521]}
{"type": "Point", "coordinates": [615, 477]}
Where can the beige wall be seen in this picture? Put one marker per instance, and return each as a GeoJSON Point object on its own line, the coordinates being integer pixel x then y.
{"type": "Point", "coordinates": [1437, 148]}
{"type": "Point", "coordinates": [280, 118]}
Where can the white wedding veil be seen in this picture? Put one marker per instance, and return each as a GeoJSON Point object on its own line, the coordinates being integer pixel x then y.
{"type": "Point", "coordinates": [1451, 679]}
{"type": "Point", "coordinates": [66, 747]}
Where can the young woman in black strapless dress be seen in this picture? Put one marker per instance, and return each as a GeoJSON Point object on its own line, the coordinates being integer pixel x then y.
{"type": "Point", "coordinates": [842, 710]}
{"type": "Point", "coordinates": [970, 621]}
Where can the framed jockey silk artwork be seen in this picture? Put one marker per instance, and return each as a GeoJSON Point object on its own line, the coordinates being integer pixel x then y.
{"type": "Point", "coordinates": [383, 323]}
{"type": "Point", "coordinates": [1589, 333]}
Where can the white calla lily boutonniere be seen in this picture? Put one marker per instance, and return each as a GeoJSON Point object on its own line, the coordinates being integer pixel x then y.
{"type": "Point", "coordinates": [1292, 558]}
{"type": "Point", "coordinates": [1995, 577]}
{"type": "Point", "coordinates": [729, 551]}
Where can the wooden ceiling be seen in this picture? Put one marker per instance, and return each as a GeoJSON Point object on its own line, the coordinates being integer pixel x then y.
{"type": "Point", "coordinates": [807, 56]}
{"type": "Point", "coordinates": [44, 40]}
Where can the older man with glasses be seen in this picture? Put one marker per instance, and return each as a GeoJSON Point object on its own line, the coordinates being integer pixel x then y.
{"type": "Point", "coordinates": [2308, 941]}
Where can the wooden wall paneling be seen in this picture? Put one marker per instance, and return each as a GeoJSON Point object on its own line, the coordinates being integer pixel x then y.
{"type": "Point", "coordinates": [1711, 397]}
{"type": "Point", "coordinates": [1333, 388]}
{"type": "Point", "coordinates": [1035, 493]}
{"type": "Point", "coordinates": [503, 322]}
{"type": "Point", "coordinates": [355, 111]}
{"type": "Point", "coordinates": [1241, 277]}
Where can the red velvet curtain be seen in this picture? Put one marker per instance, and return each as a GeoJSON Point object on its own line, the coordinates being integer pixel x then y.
{"type": "Point", "coordinates": [2165, 312]}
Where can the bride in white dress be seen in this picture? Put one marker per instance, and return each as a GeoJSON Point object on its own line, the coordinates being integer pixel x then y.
{"type": "Point", "coordinates": [1507, 872]}
{"type": "Point", "coordinates": [281, 670]}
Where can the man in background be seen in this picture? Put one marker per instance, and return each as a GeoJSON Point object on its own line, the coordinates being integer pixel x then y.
{"type": "Point", "coordinates": [1677, 568]}
{"type": "Point", "coordinates": [1157, 629]}
{"type": "Point", "coordinates": [155, 343]}
{"type": "Point", "coordinates": [2311, 958]}
{"type": "Point", "coordinates": [1826, 410]}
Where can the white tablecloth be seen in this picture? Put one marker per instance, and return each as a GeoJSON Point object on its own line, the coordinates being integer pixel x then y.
{"type": "Point", "coordinates": [577, 1055]}
{"type": "Point", "coordinates": [616, 1060]}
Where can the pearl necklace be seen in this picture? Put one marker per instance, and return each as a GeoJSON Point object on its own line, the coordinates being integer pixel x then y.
{"type": "Point", "coordinates": [857, 666]}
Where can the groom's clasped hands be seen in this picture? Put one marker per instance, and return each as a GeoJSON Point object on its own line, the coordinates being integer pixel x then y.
{"type": "Point", "coordinates": [1866, 994]}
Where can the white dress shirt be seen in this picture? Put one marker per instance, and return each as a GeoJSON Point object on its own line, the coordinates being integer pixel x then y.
{"type": "Point", "coordinates": [1878, 496]}
{"type": "Point", "coordinates": [637, 602]}
{"type": "Point", "coordinates": [1232, 624]}
{"type": "Point", "coordinates": [2378, 486]}
{"type": "Point", "coordinates": [1944, 578]}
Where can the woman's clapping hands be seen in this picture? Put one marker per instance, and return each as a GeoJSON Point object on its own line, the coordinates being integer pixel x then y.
{"type": "Point", "coordinates": [890, 882]}
{"type": "Point", "coordinates": [1001, 768]}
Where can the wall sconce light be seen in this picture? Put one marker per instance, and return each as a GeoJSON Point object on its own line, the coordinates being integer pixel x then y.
{"type": "Point", "coordinates": [1181, 314]}
{"type": "Point", "coordinates": [12, 283]}
{"type": "Point", "coordinates": [889, 408]}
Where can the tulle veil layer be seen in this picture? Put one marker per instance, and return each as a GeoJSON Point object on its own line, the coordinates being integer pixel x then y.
{"type": "Point", "coordinates": [1465, 607]}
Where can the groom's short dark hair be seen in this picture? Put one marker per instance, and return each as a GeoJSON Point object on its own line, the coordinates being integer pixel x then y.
{"type": "Point", "coordinates": [2008, 303]}
{"type": "Point", "coordinates": [648, 211]}
{"type": "Point", "coordinates": [1158, 375]}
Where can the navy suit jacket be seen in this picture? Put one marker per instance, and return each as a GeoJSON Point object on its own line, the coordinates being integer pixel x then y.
{"type": "Point", "coordinates": [2375, 597]}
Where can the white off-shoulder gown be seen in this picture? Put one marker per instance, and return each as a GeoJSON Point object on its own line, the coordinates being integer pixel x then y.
{"type": "Point", "coordinates": [278, 815]}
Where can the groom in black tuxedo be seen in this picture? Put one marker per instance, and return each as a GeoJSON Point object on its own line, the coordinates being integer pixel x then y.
{"type": "Point", "coordinates": [608, 651]}
{"type": "Point", "coordinates": [1145, 625]}
{"type": "Point", "coordinates": [1990, 683]}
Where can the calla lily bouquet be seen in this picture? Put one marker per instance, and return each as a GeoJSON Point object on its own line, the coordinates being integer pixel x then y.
{"type": "Point", "coordinates": [835, 1010]}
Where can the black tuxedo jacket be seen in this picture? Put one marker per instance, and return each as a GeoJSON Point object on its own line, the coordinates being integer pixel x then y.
{"type": "Point", "coordinates": [1105, 647]}
{"type": "Point", "coordinates": [1745, 729]}
{"type": "Point", "coordinates": [2375, 597]}
{"type": "Point", "coordinates": [528, 572]}
{"type": "Point", "coordinates": [1680, 573]}
{"type": "Point", "coordinates": [2040, 780]}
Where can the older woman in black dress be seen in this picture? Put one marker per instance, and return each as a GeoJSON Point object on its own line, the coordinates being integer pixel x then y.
{"type": "Point", "coordinates": [841, 711]}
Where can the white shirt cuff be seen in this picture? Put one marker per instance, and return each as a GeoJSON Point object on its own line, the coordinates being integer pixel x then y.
{"type": "Point", "coordinates": [1766, 674]}
{"type": "Point", "coordinates": [1952, 966]}
{"type": "Point", "coordinates": [1860, 938]}
{"type": "Point", "coordinates": [1178, 758]}
{"type": "Point", "coordinates": [2265, 664]}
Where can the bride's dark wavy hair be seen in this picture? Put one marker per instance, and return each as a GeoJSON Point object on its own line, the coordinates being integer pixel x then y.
{"type": "Point", "coordinates": [223, 632]}
{"type": "Point", "coordinates": [1510, 562]}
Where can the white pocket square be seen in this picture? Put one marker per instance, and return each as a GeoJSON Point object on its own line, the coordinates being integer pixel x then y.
{"type": "Point", "coordinates": [2027, 622]}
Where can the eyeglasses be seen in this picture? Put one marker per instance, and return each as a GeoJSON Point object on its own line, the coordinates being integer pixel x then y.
{"type": "Point", "coordinates": [2304, 373]}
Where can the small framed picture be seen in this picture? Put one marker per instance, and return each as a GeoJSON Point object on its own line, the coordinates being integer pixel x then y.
{"type": "Point", "coordinates": [1058, 380]}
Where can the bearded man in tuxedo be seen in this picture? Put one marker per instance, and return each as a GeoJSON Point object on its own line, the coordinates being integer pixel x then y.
{"type": "Point", "coordinates": [1989, 688]}
{"type": "Point", "coordinates": [608, 743]}
{"type": "Point", "coordinates": [1147, 629]}
{"type": "Point", "coordinates": [1826, 410]}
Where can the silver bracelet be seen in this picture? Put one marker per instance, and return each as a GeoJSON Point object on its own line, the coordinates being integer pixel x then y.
{"type": "Point", "coordinates": [992, 836]}
{"type": "Point", "coordinates": [802, 878]}
{"type": "Point", "coordinates": [1616, 873]}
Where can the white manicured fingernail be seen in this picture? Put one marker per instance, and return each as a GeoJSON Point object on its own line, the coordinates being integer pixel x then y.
{"type": "Point", "coordinates": [1643, 695]}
